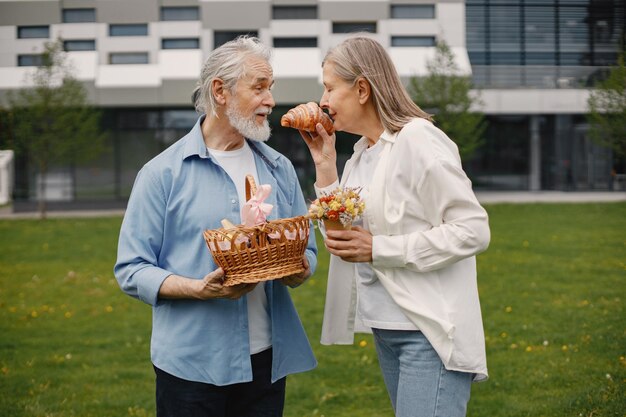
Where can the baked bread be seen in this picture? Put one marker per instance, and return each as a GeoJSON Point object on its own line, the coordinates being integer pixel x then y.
{"type": "Point", "coordinates": [306, 116]}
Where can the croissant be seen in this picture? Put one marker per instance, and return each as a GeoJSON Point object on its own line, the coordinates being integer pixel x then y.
{"type": "Point", "coordinates": [306, 116]}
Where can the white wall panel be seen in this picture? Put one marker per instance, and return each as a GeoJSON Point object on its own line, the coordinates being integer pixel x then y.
{"type": "Point", "coordinates": [297, 63]}
{"type": "Point", "coordinates": [540, 101]}
{"type": "Point", "coordinates": [128, 76]}
{"type": "Point", "coordinates": [180, 64]}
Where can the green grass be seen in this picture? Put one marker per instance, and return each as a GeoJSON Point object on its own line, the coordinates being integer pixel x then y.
{"type": "Point", "coordinates": [552, 293]}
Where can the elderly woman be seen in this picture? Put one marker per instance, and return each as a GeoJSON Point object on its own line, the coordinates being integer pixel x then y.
{"type": "Point", "coordinates": [408, 272]}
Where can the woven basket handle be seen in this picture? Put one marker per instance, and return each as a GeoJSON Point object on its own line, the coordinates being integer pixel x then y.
{"type": "Point", "coordinates": [250, 187]}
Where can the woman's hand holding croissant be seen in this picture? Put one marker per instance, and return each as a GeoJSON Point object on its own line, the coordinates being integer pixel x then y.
{"type": "Point", "coordinates": [322, 148]}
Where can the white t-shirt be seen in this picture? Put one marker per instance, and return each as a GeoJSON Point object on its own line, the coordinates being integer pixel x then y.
{"type": "Point", "coordinates": [375, 307]}
{"type": "Point", "coordinates": [238, 164]}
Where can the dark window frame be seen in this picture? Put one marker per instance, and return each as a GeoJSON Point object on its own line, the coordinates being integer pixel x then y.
{"type": "Point", "coordinates": [67, 42]}
{"type": "Point", "coordinates": [113, 55]}
{"type": "Point", "coordinates": [295, 42]}
{"type": "Point", "coordinates": [394, 8]}
{"type": "Point", "coordinates": [36, 60]}
{"type": "Point", "coordinates": [114, 27]}
{"type": "Point", "coordinates": [220, 37]}
{"type": "Point", "coordinates": [294, 12]}
{"type": "Point", "coordinates": [23, 32]}
{"type": "Point", "coordinates": [165, 16]}
{"type": "Point", "coordinates": [395, 38]}
{"type": "Point", "coordinates": [354, 27]}
{"type": "Point", "coordinates": [170, 41]}
{"type": "Point", "coordinates": [80, 15]}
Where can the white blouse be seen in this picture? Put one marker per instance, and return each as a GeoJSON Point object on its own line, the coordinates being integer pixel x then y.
{"type": "Point", "coordinates": [375, 307]}
{"type": "Point", "coordinates": [427, 227]}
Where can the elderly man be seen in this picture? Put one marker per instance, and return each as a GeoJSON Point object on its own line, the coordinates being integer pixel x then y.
{"type": "Point", "coordinates": [216, 350]}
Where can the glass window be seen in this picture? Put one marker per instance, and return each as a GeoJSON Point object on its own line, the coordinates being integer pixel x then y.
{"type": "Point", "coordinates": [79, 45]}
{"type": "Point", "coordinates": [128, 30]}
{"type": "Point", "coordinates": [181, 43]}
{"type": "Point", "coordinates": [29, 32]}
{"type": "Point", "coordinates": [295, 42]}
{"type": "Point", "coordinates": [221, 37]}
{"type": "Point", "coordinates": [505, 37]}
{"type": "Point", "coordinates": [351, 27]}
{"type": "Point", "coordinates": [180, 13]}
{"type": "Point", "coordinates": [413, 11]}
{"type": "Point", "coordinates": [79, 15]}
{"type": "Point", "coordinates": [477, 58]}
{"type": "Point", "coordinates": [179, 119]}
{"type": "Point", "coordinates": [476, 34]}
{"type": "Point", "coordinates": [29, 60]}
{"type": "Point", "coordinates": [123, 58]}
{"type": "Point", "coordinates": [412, 41]}
{"type": "Point", "coordinates": [294, 12]}
{"type": "Point", "coordinates": [539, 33]}
{"type": "Point", "coordinates": [540, 58]}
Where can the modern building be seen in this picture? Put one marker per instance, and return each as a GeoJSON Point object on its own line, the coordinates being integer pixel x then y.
{"type": "Point", "coordinates": [532, 61]}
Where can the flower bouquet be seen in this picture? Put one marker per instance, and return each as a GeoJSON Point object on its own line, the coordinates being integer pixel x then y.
{"type": "Point", "coordinates": [338, 209]}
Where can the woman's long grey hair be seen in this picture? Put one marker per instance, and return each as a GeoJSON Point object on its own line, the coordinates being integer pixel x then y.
{"type": "Point", "coordinates": [361, 56]}
{"type": "Point", "coordinates": [228, 63]}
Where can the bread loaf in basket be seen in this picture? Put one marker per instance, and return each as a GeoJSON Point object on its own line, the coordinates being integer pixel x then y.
{"type": "Point", "coordinates": [266, 251]}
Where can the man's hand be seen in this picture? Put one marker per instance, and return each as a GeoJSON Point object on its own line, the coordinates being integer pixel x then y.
{"type": "Point", "coordinates": [297, 279]}
{"type": "Point", "coordinates": [213, 287]}
{"type": "Point", "coordinates": [353, 245]}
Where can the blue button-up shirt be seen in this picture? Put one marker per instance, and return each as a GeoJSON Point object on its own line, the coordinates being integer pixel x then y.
{"type": "Point", "coordinates": [176, 196]}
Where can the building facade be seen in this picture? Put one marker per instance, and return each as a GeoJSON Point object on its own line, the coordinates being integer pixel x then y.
{"type": "Point", "coordinates": [531, 61]}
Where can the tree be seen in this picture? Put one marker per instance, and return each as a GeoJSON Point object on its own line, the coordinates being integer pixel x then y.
{"type": "Point", "coordinates": [607, 110]}
{"type": "Point", "coordinates": [446, 93]}
{"type": "Point", "coordinates": [52, 122]}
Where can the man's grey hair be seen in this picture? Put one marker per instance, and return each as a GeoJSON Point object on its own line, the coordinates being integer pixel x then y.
{"type": "Point", "coordinates": [228, 63]}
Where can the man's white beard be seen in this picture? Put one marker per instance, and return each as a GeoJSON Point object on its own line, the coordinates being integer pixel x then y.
{"type": "Point", "coordinates": [248, 127]}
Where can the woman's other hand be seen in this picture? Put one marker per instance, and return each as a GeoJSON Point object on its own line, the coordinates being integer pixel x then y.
{"type": "Point", "coordinates": [353, 245]}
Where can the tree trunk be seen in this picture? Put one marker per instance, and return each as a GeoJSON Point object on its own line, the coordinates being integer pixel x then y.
{"type": "Point", "coordinates": [41, 201]}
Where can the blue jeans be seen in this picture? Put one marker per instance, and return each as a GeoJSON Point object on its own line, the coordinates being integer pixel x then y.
{"type": "Point", "coordinates": [417, 382]}
{"type": "Point", "coordinates": [177, 397]}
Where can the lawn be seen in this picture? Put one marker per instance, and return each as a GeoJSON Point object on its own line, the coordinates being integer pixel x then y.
{"type": "Point", "coordinates": [552, 291]}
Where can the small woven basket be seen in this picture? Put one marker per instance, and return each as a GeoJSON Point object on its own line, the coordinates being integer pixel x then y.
{"type": "Point", "coordinates": [259, 253]}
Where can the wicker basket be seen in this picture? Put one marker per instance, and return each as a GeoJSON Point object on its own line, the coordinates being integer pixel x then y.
{"type": "Point", "coordinates": [259, 253]}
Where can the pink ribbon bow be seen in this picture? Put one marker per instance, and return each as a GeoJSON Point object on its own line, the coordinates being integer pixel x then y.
{"type": "Point", "coordinates": [255, 211]}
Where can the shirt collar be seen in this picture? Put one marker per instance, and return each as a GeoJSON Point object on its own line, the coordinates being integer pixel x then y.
{"type": "Point", "coordinates": [386, 136]}
{"type": "Point", "coordinates": [195, 146]}
{"type": "Point", "coordinates": [194, 142]}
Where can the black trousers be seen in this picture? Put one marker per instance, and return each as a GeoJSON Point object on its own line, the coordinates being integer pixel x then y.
{"type": "Point", "coordinates": [176, 397]}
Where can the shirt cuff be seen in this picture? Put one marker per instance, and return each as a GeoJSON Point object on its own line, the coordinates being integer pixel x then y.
{"type": "Point", "coordinates": [149, 283]}
{"type": "Point", "coordinates": [326, 190]}
{"type": "Point", "coordinates": [388, 251]}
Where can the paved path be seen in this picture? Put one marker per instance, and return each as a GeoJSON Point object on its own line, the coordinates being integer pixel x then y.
{"type": "Point", "coordinates": [488, 197]}
{"type": "Point", "coordinates": [485, 197]}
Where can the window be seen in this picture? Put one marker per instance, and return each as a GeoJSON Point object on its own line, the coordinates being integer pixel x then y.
{"type": "Point", "coordinates": [413, 11]}
{"type": "Point", "coordinates": [180, 43]}
{"type": "Point", "coordinates": [30, 32]}
{"type": "Point", "coordinates": [351, 27]}
{"type": "Point", "coordinates": [413, 41]}
{"type": "Point", "coordinates": [295, 42]}
{"type": "Point", "coordinates": [294, 12]}
{"type": "Point", "coordinates": [128, 30]}
{"type": "Point", "coordinates": [79, 15]}
{"type": "Point", "coordinates": [79, 45]}
{"type": "Point", "coordinates": [180, 13]}
{"type": "Point", "coordinates": [30, 60]}
{"type": "Point", "coordinates": [123, 58]}
{"type": "Point", "coordinates": [221, 37]}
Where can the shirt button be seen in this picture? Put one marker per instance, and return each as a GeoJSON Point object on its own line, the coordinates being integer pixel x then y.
{"type": "Point", "coordinates": [233, 201]}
